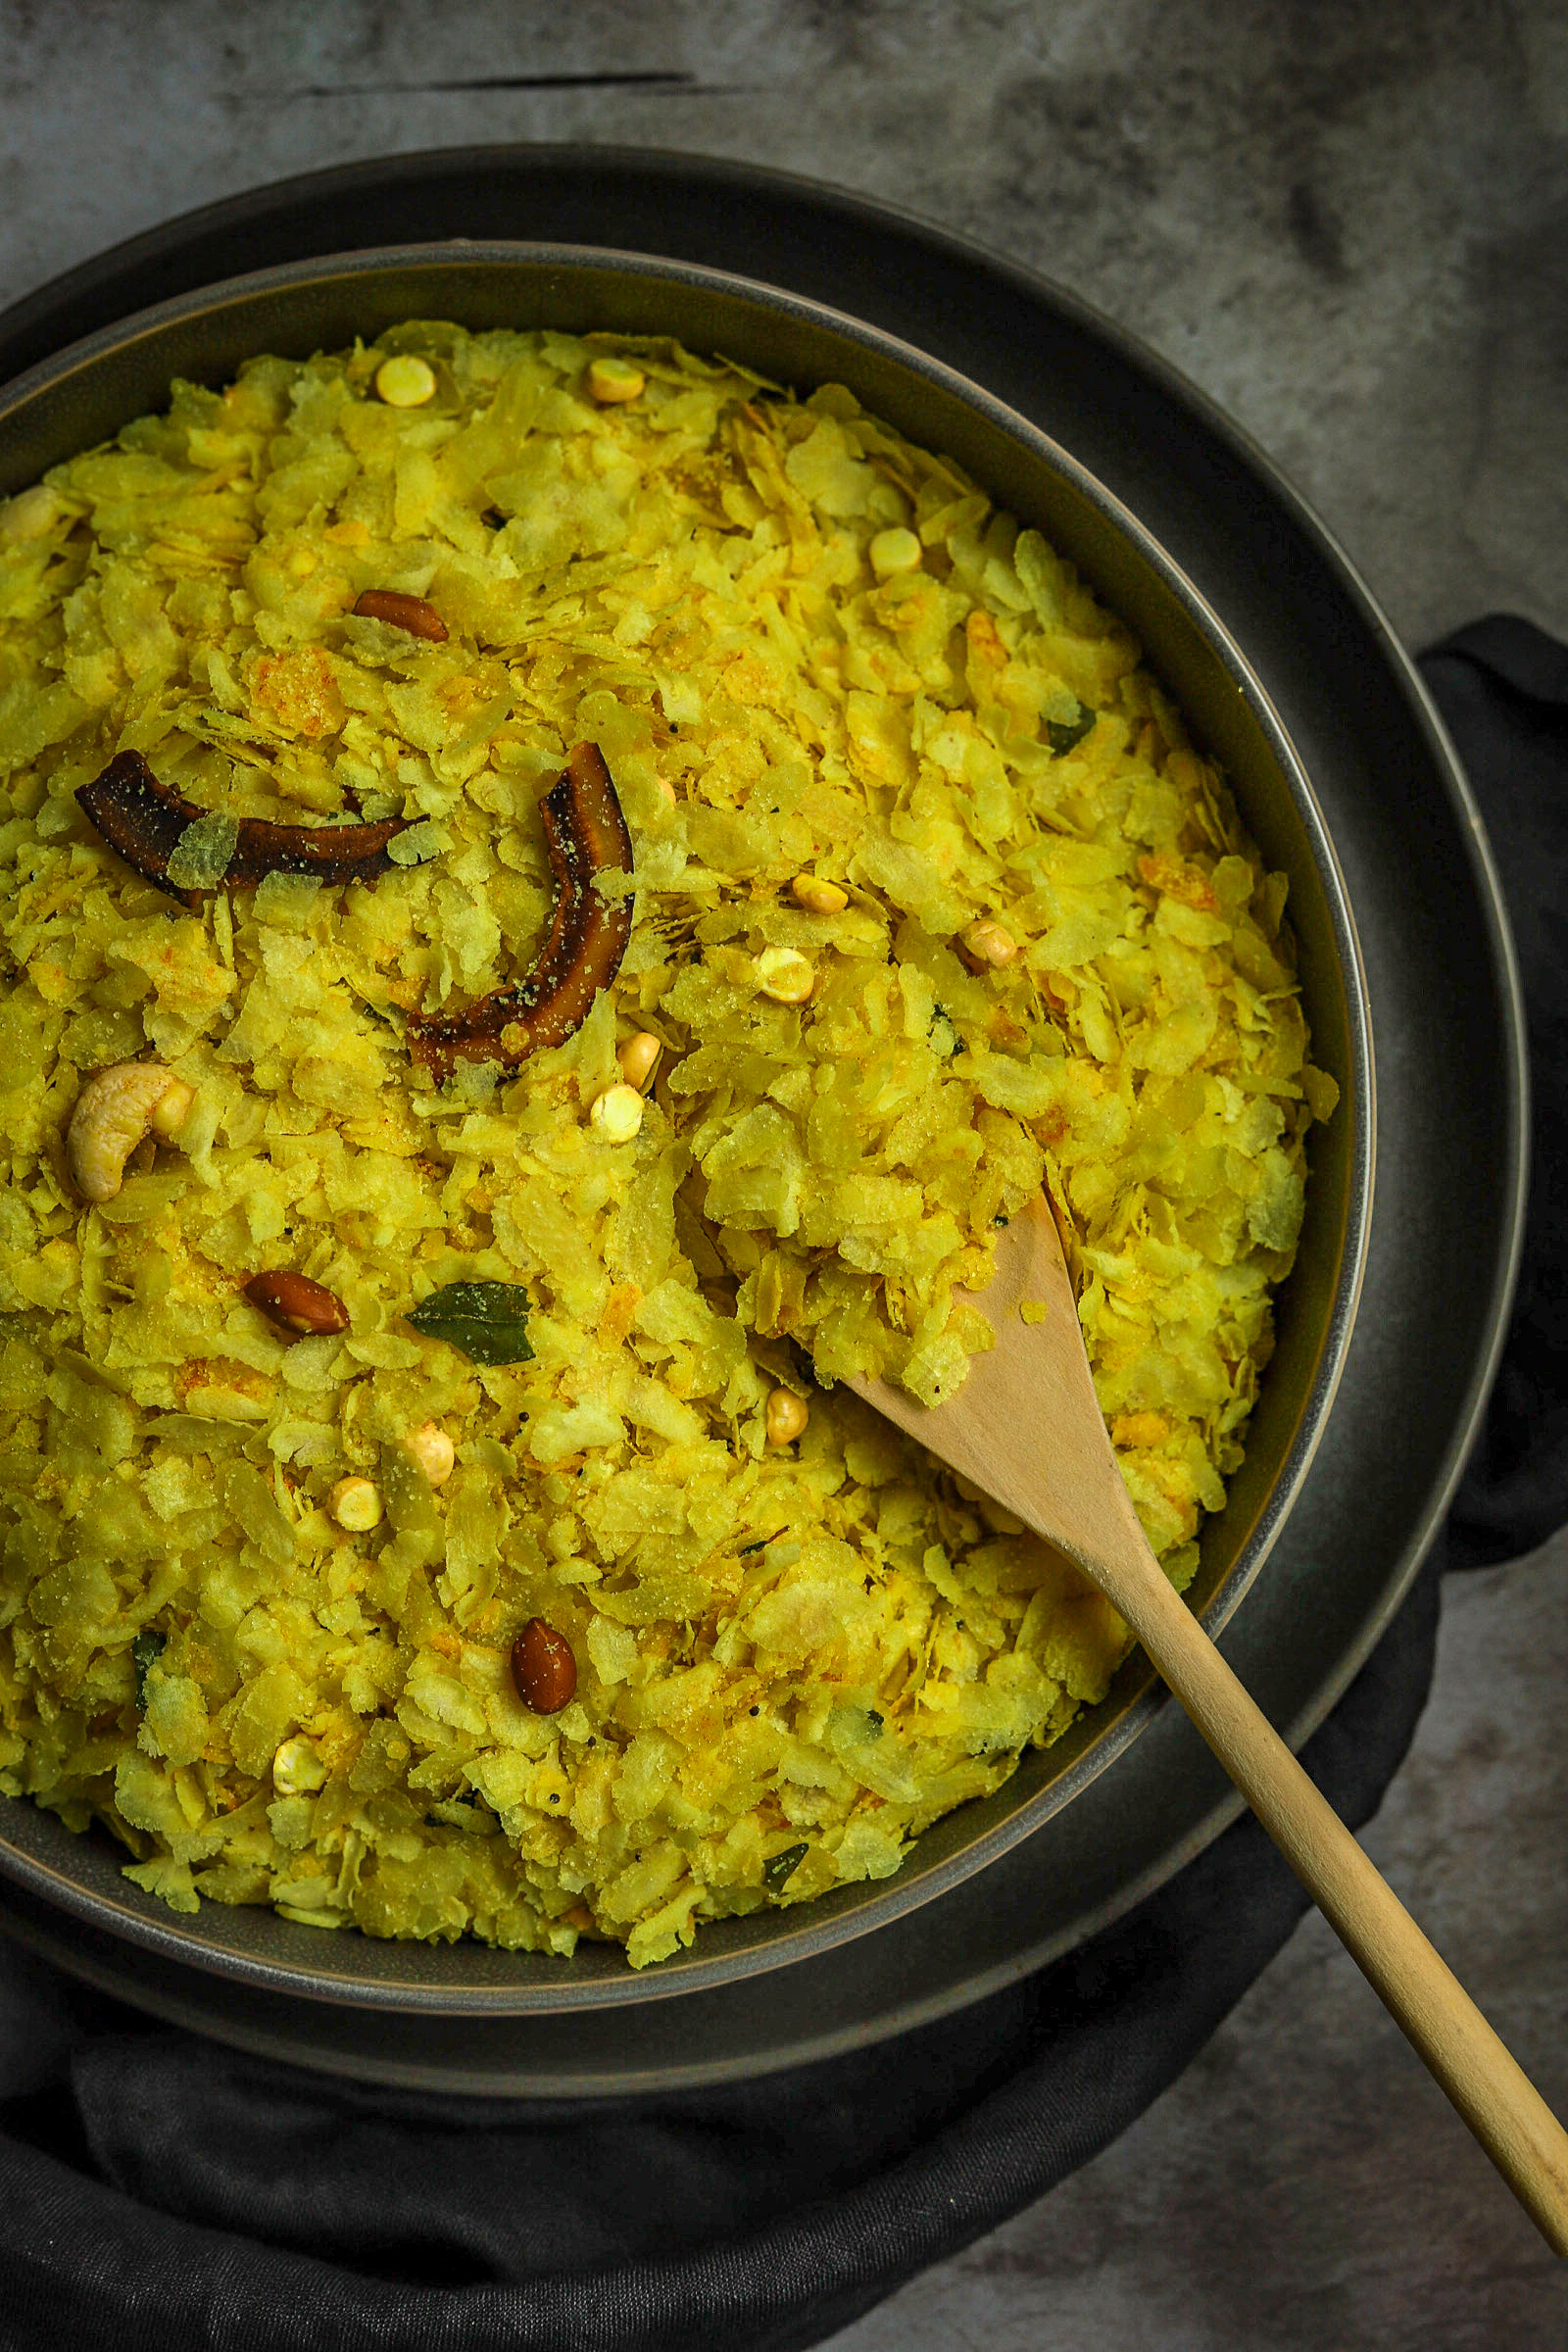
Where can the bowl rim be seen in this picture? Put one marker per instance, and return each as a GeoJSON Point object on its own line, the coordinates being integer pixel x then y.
{"type": "Point", "coordinates": [818, 1932]}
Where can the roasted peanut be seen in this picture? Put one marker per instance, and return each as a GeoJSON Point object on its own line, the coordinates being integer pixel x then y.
{"type": "Point", "coordinates": [307, 1310]}
{"type": "Point", "coordinates": [355, 1503]}
{"type": "Point", "coordinates": [114, 1110]}
{"type": "Point", "coordinates": [590, 924]}
{"type": "Point", "coordinates": [614, 381]}
{"type": "Point", "coordinates": [401, 612]}
{"type": "Point", "coordinates": [818, 897]}
{"type": "Point", "coordinates": [785, 1417]}
{"type": "Point", "coordinates": [785, 975]}
{"type": "Point", "coordinates": [543, 1668]}
{"type": "Point", "coordinates": [894, 551]}
{"type": "Point", "coordinates": [406, 381]}
{"type": "Point", "coordinates": [147, 822]}
{"type": "Point", "coordinates": [985, 943]}
{"type": "Point", "coordinates": [433, 1451]}
{"type": "Point", "coordinates": [639, 1059]}
{"type": "Point", "coordinates": [618, 1113]}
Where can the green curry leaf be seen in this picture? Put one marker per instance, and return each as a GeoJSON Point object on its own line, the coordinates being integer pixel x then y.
{"type": "Point", "coordinates": [783, 1866]}
{"type": "Point", "coordinates": [485, 1321]}
{"type": "Point", "coordinates": [1062, 734]}
{"type": "Point", "coordinates": [145, 1651]}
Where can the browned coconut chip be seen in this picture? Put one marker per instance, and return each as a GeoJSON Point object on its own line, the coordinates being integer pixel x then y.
{"type": "Point", "coordinates": [146, 821]}
{"type": "Point", "coordinates": [587, 837]}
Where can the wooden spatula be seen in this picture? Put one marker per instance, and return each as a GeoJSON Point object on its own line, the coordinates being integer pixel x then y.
{"type": "Point", "coordinates": [1026, 1430]}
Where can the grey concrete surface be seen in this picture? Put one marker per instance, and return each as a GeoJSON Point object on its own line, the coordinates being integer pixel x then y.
{"type": "Point", "coordinates": [1350, 223]}
{"type": "Point", "coordinates": [1350, 226]}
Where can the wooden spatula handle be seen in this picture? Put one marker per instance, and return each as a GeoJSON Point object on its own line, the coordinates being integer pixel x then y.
{"type": "Point", "coordinates": [1486, 2085]}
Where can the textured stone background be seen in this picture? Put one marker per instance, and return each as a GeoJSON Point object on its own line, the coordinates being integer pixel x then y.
{"type": "Point", "coordinates": [1350, 226]}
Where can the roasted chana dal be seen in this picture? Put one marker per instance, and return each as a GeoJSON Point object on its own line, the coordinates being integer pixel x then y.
{"type": "Point", "coordinates": [555, 898]}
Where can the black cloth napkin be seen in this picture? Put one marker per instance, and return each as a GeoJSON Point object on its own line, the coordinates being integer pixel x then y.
{"type": "Point", "coordinates": [156, 2190]}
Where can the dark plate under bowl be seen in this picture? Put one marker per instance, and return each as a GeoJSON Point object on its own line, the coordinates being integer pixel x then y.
{"type": "Point", "coordinates": [245, 1977]}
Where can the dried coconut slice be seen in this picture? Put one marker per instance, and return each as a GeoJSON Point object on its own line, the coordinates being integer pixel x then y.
{"type": "Point", "coordinates": [148, 824]}
{"type": "Point", "coordinates": [587, 837]}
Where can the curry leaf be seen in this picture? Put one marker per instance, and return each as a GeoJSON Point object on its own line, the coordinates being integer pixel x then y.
{"type": "Point", "coordinates": [486, 1321]}
{"type": "Point", "coordinates": [1063, 733]}
{"type": "Point", "coordinates": [145, 1651]}
{"type": "Point", "coordinates": [944, 1039]}
{"type": "Point", "coordinates": [780, 1867]}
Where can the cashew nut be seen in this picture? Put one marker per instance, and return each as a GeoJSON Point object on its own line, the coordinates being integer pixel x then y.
{"type": "Point", "coordinates": [114, 1110]}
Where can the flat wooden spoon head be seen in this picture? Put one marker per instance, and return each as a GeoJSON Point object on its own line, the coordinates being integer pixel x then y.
{"type": "Point", "coordinates": [1026, 1427]}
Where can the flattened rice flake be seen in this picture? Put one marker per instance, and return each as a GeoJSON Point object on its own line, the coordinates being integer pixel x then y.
{"type": "Point", "coordinates": [804, 647]}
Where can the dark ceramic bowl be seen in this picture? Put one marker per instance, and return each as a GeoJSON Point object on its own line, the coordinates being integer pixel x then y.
{"type": "Point", "coordinates": [87, 392]}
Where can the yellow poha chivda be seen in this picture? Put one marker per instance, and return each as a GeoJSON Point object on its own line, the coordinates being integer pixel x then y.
{"type": "Point", "coordinates": [931, 899]}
